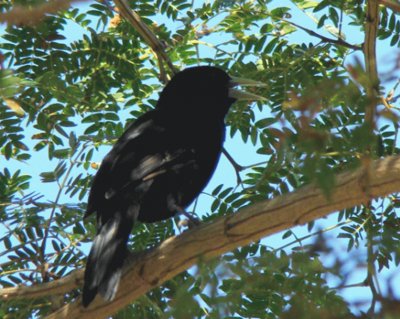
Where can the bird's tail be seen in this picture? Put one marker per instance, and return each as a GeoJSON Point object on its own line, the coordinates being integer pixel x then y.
{"type": "Point", "coordinates": [104, 264]}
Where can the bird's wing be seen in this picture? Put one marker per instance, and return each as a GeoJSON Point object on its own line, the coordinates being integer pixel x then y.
{"type": "Point", "coordinates": [141, 154]}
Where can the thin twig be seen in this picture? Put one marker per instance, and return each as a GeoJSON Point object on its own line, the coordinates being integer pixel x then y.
{"type": "Point", "coordinates": [371, 271]}
{"type": "Point", "coordinates": [319, 232]}
{"type": "Point", "coordinates": [15, 248]}
{"type": "Point", "coordinates": [238, 168]}
{"type": "Point", "coordinates": [148, 36]}
{"type": "Point", "coordinates": [360, 284]}
{"type": "Point", "coordinates": [254, 165]}
{"type": "Point", "coordinates": [341, 21]}
{"type": "Point", "coordinates": [390, 96]}
{"type": "Point", "coordinates": [13, 271]}
{"type": "Point", "coordinates": [55, 204]}
{"type": "Point", "coordinates": [339, 41]}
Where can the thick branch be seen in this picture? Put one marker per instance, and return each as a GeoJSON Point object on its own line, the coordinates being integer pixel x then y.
{"type": "Point", "coordinates": [371, 30]}
{"type": "Point", "coordinates": [60, 286]}
{"type": "Point", "coordinates": [369, 49]}
{"type": "Point", "coordinates": [252, 223]}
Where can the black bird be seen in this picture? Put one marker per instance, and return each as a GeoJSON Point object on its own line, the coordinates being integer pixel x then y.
{"type": "Point", "coordinates": [157, 167]}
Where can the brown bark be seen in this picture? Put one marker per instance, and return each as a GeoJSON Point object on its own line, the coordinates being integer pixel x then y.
{"type": "Point", "coordinates": [252, 223]}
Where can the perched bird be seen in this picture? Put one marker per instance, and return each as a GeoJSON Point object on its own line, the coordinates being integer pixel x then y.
{"type": "Point", "coordinates": [157, 167]}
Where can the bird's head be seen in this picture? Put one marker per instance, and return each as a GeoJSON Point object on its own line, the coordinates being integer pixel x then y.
{"type": "Point", "coordinates": [204, 90]}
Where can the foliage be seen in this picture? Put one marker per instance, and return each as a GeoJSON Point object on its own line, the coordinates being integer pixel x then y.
{"type": "Point", "coordinates": [67, 95]}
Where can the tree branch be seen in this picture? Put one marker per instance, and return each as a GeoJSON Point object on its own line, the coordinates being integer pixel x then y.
{"type": "Point", "coordinates": [32, 15]}
{"type": "Point", "coordinates": [394, 5]}
{"type": "Point", "coordinates": [53, 211]}
{"type": "Point", "coordinates": [369, 48]}
{"type": "Point", "coordinates": [148, 36]}
{"type": "Point", "coordinates": [238, 168]}
{"type": "Point", "coordinates": [323, 38]}
{"type": "Point", "coordinates": [151, 268]}
{"type": "Point", "coordinates": [60, 286]}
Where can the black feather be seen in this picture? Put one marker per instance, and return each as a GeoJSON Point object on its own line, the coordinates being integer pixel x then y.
{"type": "Point", "coordinates": [160, 164]}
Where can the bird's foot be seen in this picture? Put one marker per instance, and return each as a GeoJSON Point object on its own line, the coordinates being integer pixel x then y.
{"type": "Point", "coordinates": [191, 221]}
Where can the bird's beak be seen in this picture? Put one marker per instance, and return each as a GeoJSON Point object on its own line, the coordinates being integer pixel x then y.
{"type": "Point", "coordinates": [241, 95]}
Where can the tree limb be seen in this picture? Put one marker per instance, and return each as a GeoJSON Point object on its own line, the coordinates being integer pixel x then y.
{"type": "Point", "coordinates": [151, 268]}
{"type": "Point", "coordinates": [238, 168]}
{"type": "Point", "coordinates": [369, 47]}
{"type": "Point", "coordinates": [338, 41]}
{"type": "Point", "coordinates": [372, 85]}
{"type": "Point", "coordinates": [32, 15]}
{"type": "Point", "coordinates": [60, 286]}
{"type": "Point", "coordinates": [394, 5]}
{"type": "Point", "coordinates": [148, 36]}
